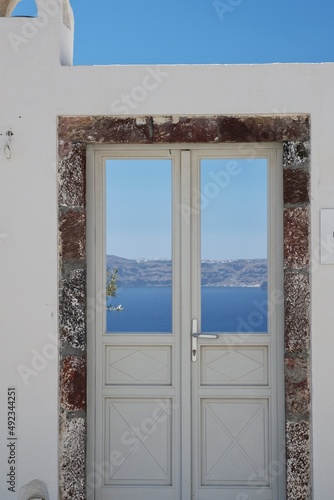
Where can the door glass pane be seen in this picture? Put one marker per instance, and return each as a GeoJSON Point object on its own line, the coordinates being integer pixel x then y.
{"type": "Point", "coordinates": [234, 250]}
{"type": "Point", "coordinates": [139, 245]}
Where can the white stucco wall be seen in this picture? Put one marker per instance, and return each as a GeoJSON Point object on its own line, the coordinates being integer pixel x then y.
{"type": "Point", "coordinates": [34, 90]}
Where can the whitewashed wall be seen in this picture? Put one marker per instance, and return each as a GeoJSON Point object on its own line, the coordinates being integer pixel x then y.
{"type": "Point", "coordinates": [34, 89]}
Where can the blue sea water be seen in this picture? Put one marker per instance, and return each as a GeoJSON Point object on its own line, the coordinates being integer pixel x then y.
{"type": "Point", "coordinates": [224, 309]}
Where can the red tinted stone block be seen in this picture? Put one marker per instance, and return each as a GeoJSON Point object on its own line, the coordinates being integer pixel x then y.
{"type": "Point", "coordinates": [72, 228]}
{"type": "Point", "coordinates": [263, 128]}
{"type": "Point", "coordinates": [105, 129]}
{"type": "Point", "coordinates": [296, 237]}
{"type": "Point", "coordinates": [296, 317]}
{"type": "Point", "coordinates": [73, 383]}
{"type": "Point", "coordinates": [296, 186]}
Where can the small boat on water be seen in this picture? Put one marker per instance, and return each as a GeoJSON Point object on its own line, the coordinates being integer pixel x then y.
{"type": "Point", "coordinates": [113, 308]}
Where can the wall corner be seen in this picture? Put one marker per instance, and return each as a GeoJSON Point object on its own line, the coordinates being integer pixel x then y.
{"type": "Point", "coordinates": [45, 40]}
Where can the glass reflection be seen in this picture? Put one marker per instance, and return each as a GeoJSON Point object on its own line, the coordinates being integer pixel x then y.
{"type": "Point", "coordinates": [234, 239]}
{"type": "Point", "coordinates": [138, 245]}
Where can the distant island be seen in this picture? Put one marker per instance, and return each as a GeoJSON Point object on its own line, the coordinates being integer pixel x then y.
{"type": "Point", "coordinates": [158, 272]}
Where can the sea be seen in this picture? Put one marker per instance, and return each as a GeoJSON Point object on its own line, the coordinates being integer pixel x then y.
{"type": "Point", "coordinates": [224, 310]}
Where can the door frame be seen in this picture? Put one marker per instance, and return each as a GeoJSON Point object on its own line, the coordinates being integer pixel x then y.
{"type": "Point", "coordinates": [186, 234]}
{"type": "Point", "coordinates": [75, 133]}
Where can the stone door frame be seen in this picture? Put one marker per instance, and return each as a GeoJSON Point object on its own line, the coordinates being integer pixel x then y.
{"type": "Point", "coordinates": [75, 133]}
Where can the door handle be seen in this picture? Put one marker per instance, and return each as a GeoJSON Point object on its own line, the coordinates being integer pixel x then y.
{"type": "Point", "coordinates": [205, 336]}
{"type": "Point", "coordinates": [195, 335]}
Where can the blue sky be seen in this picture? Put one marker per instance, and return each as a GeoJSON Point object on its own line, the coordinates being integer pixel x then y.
{"type": "Point", "coordinates": [139, 208]}
{"type": "Point", "coordinates": [198, 32]}
{"type": "Point", "coordinates": [232, 202]}
{"type": "Point", "coordinates": [203, 31]}
{"type": "Point", "coordinates": [233, 209]}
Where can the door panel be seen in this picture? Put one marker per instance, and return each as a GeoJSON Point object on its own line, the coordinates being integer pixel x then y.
{"type": "Point", "coordinates": [178, 415]}
{"type": "Point", "coordinates": [234, 365]}
{"type": "Point", "coordinates": [234, 442]}
{"type": "Point", "coordinates": [234, 383]}
{"type": "Point", "coordinates": [144, 365]}
{"type": "Point", "coordinates": [136, 417]}
{"type": "Point", "coordinates": [142, 443]}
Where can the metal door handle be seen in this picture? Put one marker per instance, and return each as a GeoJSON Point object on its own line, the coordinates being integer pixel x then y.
{"type": "Point", "coordinates": [205, 336]}
{"type": "Point", "coordinates": [195, 335]}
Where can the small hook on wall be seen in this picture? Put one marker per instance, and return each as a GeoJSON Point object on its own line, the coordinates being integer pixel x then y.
{"type": "Point", "coordinates": [6, 144]}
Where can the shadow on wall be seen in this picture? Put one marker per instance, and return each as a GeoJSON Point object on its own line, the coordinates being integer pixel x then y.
{"type": "Point", "coordinates": [34, 490]}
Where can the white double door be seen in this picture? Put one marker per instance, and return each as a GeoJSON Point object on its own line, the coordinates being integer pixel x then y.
{"type": "Point", "coordinates": [194, 410]}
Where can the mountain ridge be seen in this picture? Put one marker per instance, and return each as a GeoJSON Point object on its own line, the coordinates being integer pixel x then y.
{"type": "Point", "coordinates": [158, 272]}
